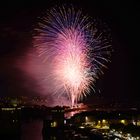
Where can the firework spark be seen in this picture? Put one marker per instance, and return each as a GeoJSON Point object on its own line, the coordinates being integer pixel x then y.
{"type": "Point", "coordinates": [73, 48]}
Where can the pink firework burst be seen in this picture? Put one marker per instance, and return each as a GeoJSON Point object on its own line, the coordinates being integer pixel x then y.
{"type": "Point", "coordinates": [74, 49]}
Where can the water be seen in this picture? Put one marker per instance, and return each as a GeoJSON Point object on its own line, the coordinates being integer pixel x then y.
{"type": "Point", "coordinates": [32, 130]}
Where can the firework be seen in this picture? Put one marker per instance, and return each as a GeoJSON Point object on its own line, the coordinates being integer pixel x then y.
{"type": "Point", "coordinates": [74, 50]}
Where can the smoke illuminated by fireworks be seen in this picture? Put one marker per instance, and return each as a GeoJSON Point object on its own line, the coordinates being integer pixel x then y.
{"type": "Point", "coordinates": [74, 51]}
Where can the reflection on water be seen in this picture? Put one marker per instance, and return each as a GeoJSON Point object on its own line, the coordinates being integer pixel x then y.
{"type": "Point", "coordinates": [32, 130]}
{"type": "Point", "coordinates": [19, 125]}
{"type": "Point", "coordinates": [51, 124]}
{"type": "Point", "coordinates": [72, 113]}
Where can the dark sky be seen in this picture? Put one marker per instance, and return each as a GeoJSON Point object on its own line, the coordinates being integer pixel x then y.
{"type": "Point", "coordinates": [120, 81]}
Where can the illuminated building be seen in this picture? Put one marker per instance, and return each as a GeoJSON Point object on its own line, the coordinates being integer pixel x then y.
{"type": "Point", "coordinates": [53, 124]}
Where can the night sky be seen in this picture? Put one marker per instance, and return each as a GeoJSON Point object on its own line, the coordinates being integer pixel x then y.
{"type": "Point", "coordinates": [120, 81]}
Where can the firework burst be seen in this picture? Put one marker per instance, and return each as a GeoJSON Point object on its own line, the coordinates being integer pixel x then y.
{"type": "Point", "coordinates": [74, 49]}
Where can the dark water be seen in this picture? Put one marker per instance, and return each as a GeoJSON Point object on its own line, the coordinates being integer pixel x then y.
{"type": "Point", "coordinates": [32, 130]}
{"type": "Point", "coordinates": [17, 126]}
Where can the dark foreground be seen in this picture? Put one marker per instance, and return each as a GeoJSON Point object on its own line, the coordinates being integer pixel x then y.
{"type": "Point", "coordinates": [34, 123]}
